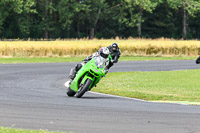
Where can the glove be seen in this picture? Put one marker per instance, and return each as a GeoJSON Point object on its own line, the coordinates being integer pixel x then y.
{"type": "Point", "coordinates": [106, 71]}
{"type": "Point", "coordinates": [87, 59]}
{"type": "Point", "coordinates": [112, 61]}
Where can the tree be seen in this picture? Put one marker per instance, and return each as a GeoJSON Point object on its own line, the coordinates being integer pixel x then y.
{"type": "Point", "coordinates": [136, 9]}
{"type": "Point", "coordinates": [7, 7]}
{"type": "Point", "coordinates": [47, 17]}
{"type": "Point", "coordinates": [88, 11]}
{"type": "Point", "coordinates": [163, 22]}
{"type": "Point", "coordinates": [94, 12]}
{"type": "Point", "coordinates": [72, 11]}
{"type": "Point", "coordinates": [188, 7]}
{"type": "Point", "coordinates": [25, 19]}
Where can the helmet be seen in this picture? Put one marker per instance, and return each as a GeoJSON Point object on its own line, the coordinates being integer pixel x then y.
{"type": "Point", "coordinates": [115, 46]}
{"type": "Point", "coordinates": [104, 52]}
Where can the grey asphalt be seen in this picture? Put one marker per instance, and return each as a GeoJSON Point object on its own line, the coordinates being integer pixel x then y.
{"type": "Point", "coordinates": [32, 96]}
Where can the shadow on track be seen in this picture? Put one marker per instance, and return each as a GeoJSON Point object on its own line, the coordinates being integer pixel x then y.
{"type": "Point", "coordinates": [92, 97]}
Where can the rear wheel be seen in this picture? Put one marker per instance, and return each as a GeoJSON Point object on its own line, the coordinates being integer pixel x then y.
{"type": "Point", "coordinates": [70, 92]}
{"type": "Point", "coordinates": [84, 88]}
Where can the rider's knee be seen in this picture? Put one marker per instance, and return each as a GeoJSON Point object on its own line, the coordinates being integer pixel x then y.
{"type": "Point", "coordinates": [78, 67]}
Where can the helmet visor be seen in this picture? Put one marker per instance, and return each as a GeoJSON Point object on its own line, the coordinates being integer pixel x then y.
{"type": "Point", "coordinates": [114, 48]}
{"type": "Point", "coordinates": [104, 55]}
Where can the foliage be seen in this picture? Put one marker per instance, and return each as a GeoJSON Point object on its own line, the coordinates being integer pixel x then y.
{"type": "Point", "coordinates": [100, 18]}
{"type": "Point", "coordinates": [132, 5]}
{"type": "Point", "coordinates": [192, 6]}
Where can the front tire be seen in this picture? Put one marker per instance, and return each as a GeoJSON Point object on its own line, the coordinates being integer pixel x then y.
{"type": "Point", "coordinates": [70, 92]}
{"type": "Point", "coordinates": [85, 87]}
{"type": "Point", "coordinates": [198, 60]}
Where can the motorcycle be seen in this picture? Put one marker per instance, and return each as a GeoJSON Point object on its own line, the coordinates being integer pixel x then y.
{"type": "Point", "coordinates": [87, 77]}
{"type": "Point", "coordinates": [198, 60]}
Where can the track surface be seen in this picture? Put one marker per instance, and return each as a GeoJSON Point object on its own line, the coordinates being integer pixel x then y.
{"type": "Point", "coordinates": [33, 96]}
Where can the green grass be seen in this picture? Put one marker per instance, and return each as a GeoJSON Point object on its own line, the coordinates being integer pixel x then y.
{"type": "Point", "coordinates": [78, 59]}
{"type": "Point", "coordinates": [153, 86]}
{"type": "Point", "coordinates": [12, 130]}
{"type": "Point", "coordinates": [140, 58]}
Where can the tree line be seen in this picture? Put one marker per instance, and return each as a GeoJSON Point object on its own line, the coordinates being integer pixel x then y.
{"type": "Point", "coordinates": [52, 19]}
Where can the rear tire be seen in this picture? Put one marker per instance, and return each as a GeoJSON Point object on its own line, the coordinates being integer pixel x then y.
{"type": "Point", "coordinates": [80, 93]}
{"type": "Point", "coordinates": [70, 92]}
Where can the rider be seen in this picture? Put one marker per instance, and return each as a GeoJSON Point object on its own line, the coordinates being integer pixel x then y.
{"type": "Point", "coordinates": [198, 60]}
{"type": "Point", "coordinates": [115, 54]}
{"type": "Point", "coordinates": [103, 52]}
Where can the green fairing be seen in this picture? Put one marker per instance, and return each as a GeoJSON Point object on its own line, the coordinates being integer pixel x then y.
{"type": "Point", "coordinates": [89, 71]}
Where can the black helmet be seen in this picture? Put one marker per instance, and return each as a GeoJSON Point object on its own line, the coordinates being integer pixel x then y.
{"type": "Point", "coordinates": [104, 52]}
{"type": "Point", "coordinates": [115, 46]}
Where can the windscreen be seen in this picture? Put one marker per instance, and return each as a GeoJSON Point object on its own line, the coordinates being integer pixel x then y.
{"type": "Point", "coordinates": [100, 61]}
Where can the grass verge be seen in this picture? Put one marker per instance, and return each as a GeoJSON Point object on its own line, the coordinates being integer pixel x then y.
{"type": "Point", "coordinates": [78, 59]}
{"type": "Point", "coordinates": [163, 86]}
{"type": "Point", "coordinates": [12, 130]}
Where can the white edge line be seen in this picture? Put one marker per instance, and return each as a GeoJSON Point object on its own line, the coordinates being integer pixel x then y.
{"type": "Point", "coordinates": [118, 96]}
{"type": "Point", "coordinates": [133, 98]}
{"type": "Point", "coordinates": [129, 97]}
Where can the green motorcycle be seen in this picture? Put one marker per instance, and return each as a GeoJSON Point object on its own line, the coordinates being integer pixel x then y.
{"type": "Point", "coordinates": [87, 77]}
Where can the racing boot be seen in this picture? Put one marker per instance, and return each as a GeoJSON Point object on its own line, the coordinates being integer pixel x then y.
{"type": "Point", "coordinates": [71, 76]}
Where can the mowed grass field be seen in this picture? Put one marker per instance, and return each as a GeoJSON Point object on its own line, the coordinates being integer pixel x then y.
{"type": "Point", "coordinates": [129, 47]}
{"type": "Point", "coordinates": [165, 86]}
{"type": "Point", "coordinates": [79, 59]}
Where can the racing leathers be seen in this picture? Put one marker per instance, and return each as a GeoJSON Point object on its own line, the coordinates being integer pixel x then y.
{"type": "Point", "coordinates": [74, 71]}
{"type": "Point", "coordinates": [115, 56]}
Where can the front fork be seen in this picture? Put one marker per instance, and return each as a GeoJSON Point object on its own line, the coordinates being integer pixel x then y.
{"type": "Point", "coordinates": [85, 79]}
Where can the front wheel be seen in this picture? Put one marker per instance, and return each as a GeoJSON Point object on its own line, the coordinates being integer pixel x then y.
{"type": "Point", "coordinates": [84, 88]}
{"type": "Point", "coordinates": [198, 60]}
